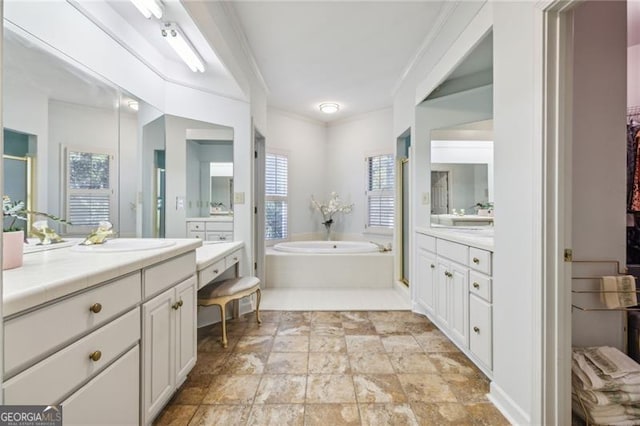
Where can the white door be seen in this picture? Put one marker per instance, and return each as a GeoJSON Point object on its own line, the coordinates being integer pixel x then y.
{"type": "Point", "coordinates": [459, 300]}
{"type": "Point", "coordinates": [425, 286]}
{"type": "Point", "coordinates": [442, 293]}
{"type": "Point", "coordinates": [158, 353]}
{"type": "Point", "coordinates": [439, 192]}
{"type": "Point", "coordinates": [186, 331]}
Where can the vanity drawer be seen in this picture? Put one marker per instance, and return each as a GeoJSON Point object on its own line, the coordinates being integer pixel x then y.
{"type": "Point", "coordinates": [219, 236]}
{"type": "Point", "coordinates": [480, 330]}
{"type": "Point", "coordinates": [480, 285]}
{"type": "Point", "coordinates": [196, 234]}
{"type": "Point", "coordinates": [454, 251]}
{"type": "Point", "coordinates": [426, 242]}
{"type": "Point", "coordinates": [52, 378]}
{"type": "Point", "coordinates": [211, 272]}
{"type": "Point", "coordinates": [480, 260]}
{"type": "Point", "coordinates": [62, 321]}
{"type": "Point", "coordinates": [195, 226]}
{"type": "Point", "coordinates": [162, 276]}
{"type": "Point", "coordinates": [233, 258]}
{"type": "Point", "coordinates": [219, 226]}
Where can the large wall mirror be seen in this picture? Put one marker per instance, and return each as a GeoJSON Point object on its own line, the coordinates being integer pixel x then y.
{"type": "Point", "coordinates": [462, 175]}
{"type": "Point", "coordinates": [71, 145]}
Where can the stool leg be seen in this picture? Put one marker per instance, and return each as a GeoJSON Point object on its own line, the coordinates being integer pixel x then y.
{"type": "Point", "coordinates": [258, 306]}
{"type": "Point", "coordinates": [224, 324]}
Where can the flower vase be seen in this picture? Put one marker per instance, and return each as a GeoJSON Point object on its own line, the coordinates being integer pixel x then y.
{"type": "Point", "coordinates": [327, 225]}
{"type": "Point", "coordinates": [12, 248]}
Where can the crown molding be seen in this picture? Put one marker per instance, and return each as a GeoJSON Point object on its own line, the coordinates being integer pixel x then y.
{"type": "Point", "coordinates": [446, 10]}
{"type": "Point", "coordinates": [231, 14]}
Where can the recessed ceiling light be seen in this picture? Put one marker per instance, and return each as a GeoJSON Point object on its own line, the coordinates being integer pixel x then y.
{"type": "Point", "coordinates": [329, 107]}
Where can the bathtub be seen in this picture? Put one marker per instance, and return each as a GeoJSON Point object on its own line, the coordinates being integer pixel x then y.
{"type": "Point", "coordinates": [328, 264]}
{"type": "Point", "coordinates": [325, 247]}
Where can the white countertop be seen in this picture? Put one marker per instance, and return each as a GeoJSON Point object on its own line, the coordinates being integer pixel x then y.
{"type": "Point", "coordinates": [481, 238]}
{"type": "Point", "coordinates": [212, 218]}
{"type": "Point", "coordinates": [211, 252]}
{"type": "Point", "coordinates": [51, 274]}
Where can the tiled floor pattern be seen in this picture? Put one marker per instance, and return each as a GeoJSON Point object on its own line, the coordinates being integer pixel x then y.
{"type": "Point", "coordinates": [331, 368]}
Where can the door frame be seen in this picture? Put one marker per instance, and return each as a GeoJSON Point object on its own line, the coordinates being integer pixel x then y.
{"type": "Point", "coordinates": [258, 170]}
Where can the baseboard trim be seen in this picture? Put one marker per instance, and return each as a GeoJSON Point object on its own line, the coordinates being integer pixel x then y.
{"type": "Point", "coordinates": [513, 413]}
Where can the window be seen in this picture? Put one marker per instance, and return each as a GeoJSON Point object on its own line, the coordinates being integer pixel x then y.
{"type": "Point", "coordinates": [90, 196]}
{"type": "Point", "coordinates": [380, 191]}
{"type": "Point", "coordinates": [276, 190]}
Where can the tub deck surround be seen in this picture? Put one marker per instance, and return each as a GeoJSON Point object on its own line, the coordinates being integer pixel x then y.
{"type": "Point", "coordinates": [328, 270]}
{"type": "Point", "coordinates": [52, 274]}
{"type": "Point", "coordinates": [328, 247]}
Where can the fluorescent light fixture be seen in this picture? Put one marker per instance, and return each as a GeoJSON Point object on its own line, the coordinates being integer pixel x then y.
{"type": "Point", "coordinates": [173, 34]}
{"type": "Point", "coordinates": [133, 105]}
{"type": "Point", "coordinates": [329, 107]}
{"type": "Point", "coordinates": [149, 7]}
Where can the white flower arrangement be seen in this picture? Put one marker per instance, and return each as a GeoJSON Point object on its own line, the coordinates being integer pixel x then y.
{"type": "Point", "coordinates": [335, 205]}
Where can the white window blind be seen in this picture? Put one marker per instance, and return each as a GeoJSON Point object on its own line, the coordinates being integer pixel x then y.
{"type": "Point", "coordinates": [276, 192]}
{"type": "Point", "coordinates": [89, 188]}
{"type": "Point", "coordinates": [380, 191]}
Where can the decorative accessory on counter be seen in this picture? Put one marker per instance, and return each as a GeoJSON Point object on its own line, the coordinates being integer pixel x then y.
{"type": "Point", "coordinates": [45, 234]}
{"type": "Point", "coordinates": [335, 205]}
{"type": "Point", "coordinates": [99, 235]}
{"type": "Point", "coordinates": [15, 210]}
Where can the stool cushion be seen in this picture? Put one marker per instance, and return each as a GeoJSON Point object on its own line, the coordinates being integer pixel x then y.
{"type": "Point", "coordinates": [227, 287]}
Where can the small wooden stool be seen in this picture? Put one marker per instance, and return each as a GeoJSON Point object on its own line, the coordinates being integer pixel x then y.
{"type": "Point", "coordinates": [222, 292]}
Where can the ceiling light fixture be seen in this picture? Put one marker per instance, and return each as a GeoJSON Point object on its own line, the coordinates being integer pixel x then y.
{"type": "Point", "coordinates": [173, 34]}
{"type": "Point", "coordinates": [133, 105]}
{"type": "Point", "coordinates": [149, 7]}
{"type": "Point", "coordinates": [329, 107]}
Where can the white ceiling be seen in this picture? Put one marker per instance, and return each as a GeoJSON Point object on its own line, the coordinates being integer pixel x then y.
{"type": "Point", "coordinates": [352, 53]}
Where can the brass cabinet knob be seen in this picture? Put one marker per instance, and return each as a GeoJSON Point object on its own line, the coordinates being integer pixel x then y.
{"type": "Point", "coordinates": [448, 274]}
{"type": "Point", "coordinates": [180, 303]}
{"type": "Point", "coordinates": [433, 266]}
{"type": "Point", "coordinates": [95, 308]}
{"type": "Point", "coordinates": [476, 330]}
{"type": "Point", "coordinates": [95, 356]}
{"type": "Point", "coordinates": [476, 260]}
{"type": "Point", "coordinates": [215, 271]}
{"type": "Point", "coordinates": [176, 306]}
{"type": "Point", "coordinates": [476, 285]}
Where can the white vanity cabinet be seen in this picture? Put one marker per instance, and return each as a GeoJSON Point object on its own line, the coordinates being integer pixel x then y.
{"type": "Point", "coordinates": [169, 334]}
{"type": "Point", "coordinates": [211, 229]}
{"type": "Point", "coordinates": [453, 288]}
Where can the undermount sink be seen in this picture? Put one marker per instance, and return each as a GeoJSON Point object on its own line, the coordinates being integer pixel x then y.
{"type": "Point", "coordinates": [124, 244]}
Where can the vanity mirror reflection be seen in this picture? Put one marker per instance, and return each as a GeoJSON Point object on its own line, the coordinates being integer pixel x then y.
{"type": "Point", "coordinates": [71, 145]}
{"type": "Point", "coordinates": [462, 175]}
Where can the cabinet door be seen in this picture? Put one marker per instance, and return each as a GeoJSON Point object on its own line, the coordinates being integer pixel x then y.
{"type": "Point", "coordinates": [110, 398]}
{"type": "Point", "coordinates": [158, 351]}
{"type": "Point", "coordinates": [480, 337]}
{"type": "Point", "coordinates": [442, 293]}
{"type": "Point", "coordinates": [459, 302]}
{"type": "Point", "coordinates": [425, 289]}
{"type": "Point", "coordinates": [185, 326]}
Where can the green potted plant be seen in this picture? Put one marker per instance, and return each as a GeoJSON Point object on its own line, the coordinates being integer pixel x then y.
{"type": "Point", "coordinates": [13, 235]}
{"type": "Point", "coordinates": [484, 208]}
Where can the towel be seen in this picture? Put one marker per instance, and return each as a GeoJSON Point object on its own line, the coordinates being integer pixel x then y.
{"type": "Point", "coordinates": [618, 291]}
{"type": "Point", "coordinates": [593, 378]}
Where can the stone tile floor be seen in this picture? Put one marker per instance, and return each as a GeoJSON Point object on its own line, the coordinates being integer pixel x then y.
{"type": "Point", "coordinates": [331, 368]}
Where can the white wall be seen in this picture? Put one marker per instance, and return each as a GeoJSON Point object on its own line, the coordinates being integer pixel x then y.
{"type": "Point", "coordinates": [304, 141]}
{"type": "Point", "coordinates": [599, 157]}
{"type": "Point", "coordinates": [349, 142]}
{"type": "Point", "coordinates": [128, 157]}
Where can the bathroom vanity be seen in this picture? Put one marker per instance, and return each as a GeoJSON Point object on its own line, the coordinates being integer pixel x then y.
{"type": "Point", "coordinates": [453, 287]}
{"type": "Point", "coordinates": [108, 335]}
{"type": "Point", "coordinates": [213, 228]}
